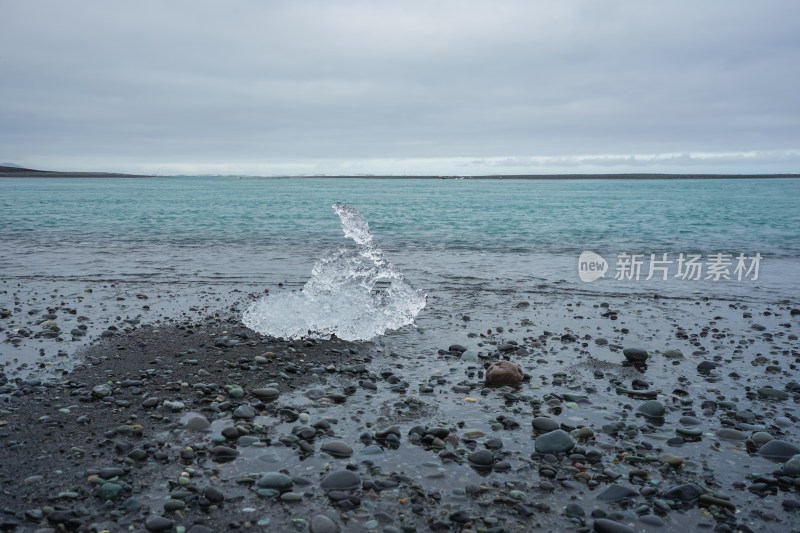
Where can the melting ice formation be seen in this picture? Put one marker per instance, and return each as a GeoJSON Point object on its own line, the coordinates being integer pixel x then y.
{"type": "Point", "coordinates": [354, 294]}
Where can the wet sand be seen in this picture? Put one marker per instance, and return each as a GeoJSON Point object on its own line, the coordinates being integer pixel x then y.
{"type": "Point", "coordinates": [170, 423]}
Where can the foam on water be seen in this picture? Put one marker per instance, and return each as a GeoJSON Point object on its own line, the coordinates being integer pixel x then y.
{"type": "Point", "coordinates": [354, 294]}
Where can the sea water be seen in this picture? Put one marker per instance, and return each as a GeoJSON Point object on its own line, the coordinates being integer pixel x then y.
{"type": "Point", "coordinates": [441, 233]}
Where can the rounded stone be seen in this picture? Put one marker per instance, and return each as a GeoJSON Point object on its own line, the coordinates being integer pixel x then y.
{"type": "Point", "coordinates": [102, 391]}
{"type": "Point", "coordinates": [555, 442]}
{"type": "Point", "coordinates": [673, 354]}
{"type": "Point", "coordinates": [109, 491]}
{"type": "Point", "coordinates": [157, 523]}
{"type": "Point", "coordinates": [761, 437]}
{"type": "Point", "coordinates": [337, 448]}
{"type": "Point", "coordinates": [340, 480]}
{"type": "Point", "coordinates": [481, 458]}
{"type": "Point", "coordinates": [504, 373]}
{"type": "Point", "coordinates": [778, 450]}
{"type": "Point", "coordinates": [774, 394]}
{"type": "Point", "coordinates": [652, 409]}
{"type": "Point", "coordinates": [323, 524]}
{"type": "Point", "coordinates": [214, 495]}
{"type": "Point", "coordinates": [174, 505]}
{"type": "Point", "coordinates": [635, 355]}
{"type": "Point", "coordinates": [792, 466]}
{"type": "Point", "coordinates": [275, 480]}
{"type": "Point", "coordinates": [582, 433]}
{"type": "Point", "coordinates": [245, 411]}
{"type": "Point", "coordinates": [731, 434]}
{"type": "Point", "coordinates": [543, 424]}
{"type": "Point", "coordinates": [604, 525]}
{"type": "Point", "coordinates": [266, 393]}
{"type": "Point", "coordinates": [197, 423]}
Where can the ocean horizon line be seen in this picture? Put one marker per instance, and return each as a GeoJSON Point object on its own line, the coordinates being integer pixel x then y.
{"type": "Point", "coordinates": [21, 172]}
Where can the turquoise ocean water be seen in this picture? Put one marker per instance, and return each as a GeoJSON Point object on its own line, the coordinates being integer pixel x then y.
{"type": "Point", "coordinates": [441, 232]}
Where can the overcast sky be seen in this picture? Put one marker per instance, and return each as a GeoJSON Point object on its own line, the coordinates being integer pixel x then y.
{"type": "Point", "coordinates": [463, 87]}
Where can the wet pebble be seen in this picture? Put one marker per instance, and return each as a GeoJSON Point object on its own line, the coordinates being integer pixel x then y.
{"type": "Point", "coordinates": [555, 442]}
{"type": "Point", "coordinates": [779, 450]}
{"type": "Point", "coordinates": [275, 480]}
{"type": "Point", "coordinates": [323, 524]}
{"type": "Point", "coordinates": [731, 434]}
{"type": "Point", "coordinates": [604, 525]}
{"type": "Point", "coordinates": [504, 373]}
{"type": "Point", "coordinates": [197, 423]}
{"type": "Point", "coordinates": [652, 408]}
{"type": "Point", "coordinates": [544, 425]}
{"type": "Point", "coordinates": [341, 480]}
{"type": "Point", "coordinates": [157, 523]}
{"type": "Point", "coordinates": [244, 412]}
{"type": "Point", "coordinates": [481, 458]}
{"type": "Point", "coordinates": [337, 448]}
{"type": "Point", "coordinates": [635, 355]}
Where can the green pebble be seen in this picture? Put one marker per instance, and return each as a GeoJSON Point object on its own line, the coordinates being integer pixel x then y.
{"type": "Point", "coordinates": [689, 432]}
{"type": "Point", "coordinates": [234, 391]}
{"type": "Point", "coordinates": [109, 491]}
{"type": "Point", "coordinates": [291, 497]}
{"type": "Point", "coordinates": [517, 494]}
{"type": "Point", "coordinates": [174, 505]}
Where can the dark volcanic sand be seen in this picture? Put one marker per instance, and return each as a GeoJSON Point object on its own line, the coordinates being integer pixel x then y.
{"type": "Point", "coordinates": [120, 443]}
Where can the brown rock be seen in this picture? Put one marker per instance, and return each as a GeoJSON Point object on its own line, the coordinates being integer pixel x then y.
{"type": "Point", "coordinates": [504, 373]}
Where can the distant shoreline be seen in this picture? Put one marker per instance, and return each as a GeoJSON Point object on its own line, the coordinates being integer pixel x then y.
{"type": "Point", "coordinates": [15, 172]}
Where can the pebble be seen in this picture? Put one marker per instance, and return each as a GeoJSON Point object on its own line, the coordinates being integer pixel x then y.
{"type": "Point", "coordinates": [604, 525]}
{"type": "Point", "coordinates": [244, 412]}
{"type": "Point", "coordinates": [275, 480]}
{"type": "Point", "coordinates": [555, 442]}
{"type": "Point", "coordinates": [266, 393]}
{"type": "Point", "coordinates": [544, 425]}
{"type": "Point", "coordinates": [197, 423]}
{"type": "Point", "coordinates": [323, 524]}
{"type": "Point", "coordinates": [792, 466]}
{"type": "Point", "coordinates": [174, 406]}
{"type": "Point", "coordinates": [157, 523]}
{"type": "Point", "coordinates": [337, 448]}
{"type": "Point", "coordinates": [778, 450]}
{"type": "Point", "coordinates": [652, 520]}
{"type": "Point", "coordinates": [504, 373]}
{"type": "Point", "coordinates": [731, 434]}
{"type": "Point", "coordinates": [102, 391]}
{"type": "Point", "coordinates": [635, 355]}
{"type": "Point", "coordinates": [688, 492]}
{"type": "Point", "coordinates": [481, 458]}
{"type": "Point", "coordinates": [774, 394]}
{"type": "Point", "coordinates": [652, 408]}
{"type": "Point", "coordinates": [340, 480]}
{"type": "Point", "coordinates": [174, 505]}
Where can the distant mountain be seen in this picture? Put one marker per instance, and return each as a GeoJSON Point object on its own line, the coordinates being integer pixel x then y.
{"type": "Point", "coordinates": [10, 170]}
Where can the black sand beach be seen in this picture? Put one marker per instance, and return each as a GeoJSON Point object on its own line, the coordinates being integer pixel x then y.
{"type": "Point", "coordinates": [201, 425]}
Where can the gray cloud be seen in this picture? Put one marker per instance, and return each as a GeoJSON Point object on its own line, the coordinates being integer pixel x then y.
{"type": "Point", "coordinates": [254, 87]}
